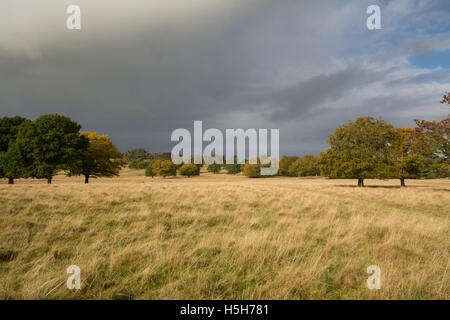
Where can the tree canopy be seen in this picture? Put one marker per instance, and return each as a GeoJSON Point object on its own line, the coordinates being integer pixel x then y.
{"type": "Point", "coordinates": [49, 144]}
{"type": "Point", "coordinates": [357, 150]}
{"type": "Point", "coordinates": [306, 166]}
{"type": "Point", "coordinates": [11, 165]}
{"type": "Point", "coordinates": [285, 163]}
{"type": "Point", "coordinates": [101, 159]}
{"type": "Point", "coordinates": [189, 170]}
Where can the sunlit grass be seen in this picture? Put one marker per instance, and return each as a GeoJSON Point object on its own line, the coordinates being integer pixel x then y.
{"type": "Point", "coordinates": [221, 236]}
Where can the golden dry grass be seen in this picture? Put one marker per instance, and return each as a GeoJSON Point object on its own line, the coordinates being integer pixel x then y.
{"type": "Point", "coordinates": [224, 237]}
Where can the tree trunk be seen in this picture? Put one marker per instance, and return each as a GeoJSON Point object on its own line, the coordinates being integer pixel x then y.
{"type": "Point", "coordinates": [49, 180]}
{"type": "Point", "coordinates": [10, 180]}
{"type": "Point", "coordinates": [402, 182]}
{"type": "Point", "coordinates": [86, 179]}
{"type": "Point", "coordinates": [360, 182]}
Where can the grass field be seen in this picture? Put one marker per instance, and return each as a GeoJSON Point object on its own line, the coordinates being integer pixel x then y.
{"type": "Point", "coordinates": [224, 237]}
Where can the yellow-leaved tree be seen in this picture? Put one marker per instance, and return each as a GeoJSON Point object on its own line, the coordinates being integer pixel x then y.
{"type": "Point", "coordinates": [101, 159]}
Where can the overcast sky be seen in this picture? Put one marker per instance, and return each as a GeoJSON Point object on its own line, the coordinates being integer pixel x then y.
{"type": "Point", "coordinates": [138, 69]}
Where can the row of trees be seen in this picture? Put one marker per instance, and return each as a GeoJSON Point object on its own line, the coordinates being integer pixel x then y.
{"type": "Point", "coordinates": [51, 143]}
{"type": "Point", "coordinates": [361, 149]}
{"type": "Point", "coordinates": [372, 148]}
{"type": "Point", "coordinates": [143, 159]}
{"type": "Point", "coordinates": [165, 168]}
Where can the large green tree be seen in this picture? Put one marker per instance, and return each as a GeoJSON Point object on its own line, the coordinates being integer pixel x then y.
{"type": "Point", "coordinates": [11, 166]}
{"type": "Point", "coordinates": [49, 144]}
{"type": "Point", "coordinates": [357, 150]}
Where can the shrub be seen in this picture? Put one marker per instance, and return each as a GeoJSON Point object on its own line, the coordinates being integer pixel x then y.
{"type": "Point", "coordinates": [252, 170]}
{"type": "Point", "coordinates": [189, 170]}
{"type": "Point", "coordinates": [233, 168]}
{"type": "Point", "coordinates": [214, 168]}
{"type": "Point", "coordinates": [149, 171]}
{"type": "Point", "coordinates": [164, 168]}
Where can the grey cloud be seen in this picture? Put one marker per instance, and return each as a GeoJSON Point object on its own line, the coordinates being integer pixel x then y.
{"type": "Point", "coordinates": [137, 72]}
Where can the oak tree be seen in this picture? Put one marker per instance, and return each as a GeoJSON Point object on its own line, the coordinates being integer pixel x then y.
{"type": "Point", "coordinates": [357, 150]}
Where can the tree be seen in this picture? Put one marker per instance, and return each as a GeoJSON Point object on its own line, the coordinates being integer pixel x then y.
{"type": "Point", "coordinates": [214, 168]}
{"type": "Point", "coordinates": [101, 159]}
{"type": "Point", "coordinates": [9, 127]}
{"type": "Point", "coordinates": [189, 170]}
{"type": "Point", "coordinates": [49, 144]}
{"type": "Point", "coordinates": [304, 167]}
{"type": "Point", "coordinates": [402, 163]}
{"type": "Point", "coordinates": [11, 166]}
{"type": "Point", "coordinates": [284, 164]}
{"type": "Point", "coordinates": [431, 139]}
{"type": "Point", "coordinates": [357, 150]}
{"type": "Point", "coordinates": [164, 168]}
{"type": "Point", "coordinates": [233, 168]}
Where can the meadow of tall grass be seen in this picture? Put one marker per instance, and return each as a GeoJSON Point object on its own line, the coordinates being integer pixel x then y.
{"type": "Point", "coordinates": [224, 237]}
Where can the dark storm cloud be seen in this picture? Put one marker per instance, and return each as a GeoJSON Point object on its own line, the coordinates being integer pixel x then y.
{"type": "Point", "coordinates": [138, 70]}
{"type": "Point", "coordinates": [305, 96]}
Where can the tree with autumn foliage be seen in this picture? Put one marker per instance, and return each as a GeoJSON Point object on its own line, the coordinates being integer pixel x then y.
{"type": "Point", "coordinates": [357, 150]}
{"type": "Point", "coordinates": [446, 99]}
{"type": "Point", "coordinates": [189, 170]}
{"type": "Point", "coordinates": [284, 164]}
{"type": "Point", "coordinates": [101, 159]}
{"type": "Point", "coordinates": [431, 140]}
{"type": "Point", "coordinates": [164, 168]}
